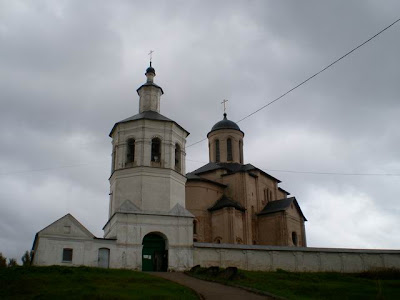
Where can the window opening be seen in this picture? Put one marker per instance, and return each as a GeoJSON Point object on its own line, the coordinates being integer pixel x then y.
{"type": "Point", "coordinates": [177, 157]}
{"type": "Point", "coordinates": [194, 227]}
{"type": "Point", "coordinates": [294, 238]}
{"type": "Point", "coordinates": [130, 151]}
{"type": "Point", "coordinates": [229, 149]}
{"type": "Point", "coordinates": [217, 156]}
{"type": "Point", "coordinates": [155, 150]}
{"type": "Point", "coordinates": [241, 151]}
{"type": "Point", "coordinates": [67, 255]}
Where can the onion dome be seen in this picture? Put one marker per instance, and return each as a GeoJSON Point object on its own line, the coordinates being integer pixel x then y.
{"type": "Point", "coordinates": [150, 70]}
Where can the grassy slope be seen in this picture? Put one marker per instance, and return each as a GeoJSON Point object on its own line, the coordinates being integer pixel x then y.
{"type": "Point", "coordinates": [372, 285]}
{"type": "Point", "coordinates": [86, 283]}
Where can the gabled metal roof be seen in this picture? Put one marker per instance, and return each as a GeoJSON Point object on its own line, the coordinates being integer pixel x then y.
{"type": "Point", "coordinates": [232, 168]}
{"type": "Point", "coordinates": [280, 205]}
{"type": "Point", "coordinates": [224, 201]}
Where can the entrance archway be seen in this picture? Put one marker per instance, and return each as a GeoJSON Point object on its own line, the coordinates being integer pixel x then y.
{"type": "Point", "coordinates": [154, 253]}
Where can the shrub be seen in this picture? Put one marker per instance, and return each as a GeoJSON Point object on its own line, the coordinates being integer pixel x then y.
{"type": "Point", "coordinates": [3, 261]}
{"type": "Point", "coordinates": [26, 259]}
{"type": "Point", "coordinates": [12, 262]}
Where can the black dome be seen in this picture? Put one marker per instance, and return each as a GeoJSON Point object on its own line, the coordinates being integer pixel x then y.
{"type": "Point", "coordinates": [225, 124]}
{"type": "Point", "coordinates": [150, 70]}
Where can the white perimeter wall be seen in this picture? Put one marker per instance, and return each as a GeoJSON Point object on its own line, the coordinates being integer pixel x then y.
{"type": "Point", "coordinates": [270, 258]}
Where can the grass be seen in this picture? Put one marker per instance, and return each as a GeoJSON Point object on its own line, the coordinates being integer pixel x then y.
{"type": "Point", "coordinates": [292, 285]}
{"type": "Point", "coordinates": [86, 283]}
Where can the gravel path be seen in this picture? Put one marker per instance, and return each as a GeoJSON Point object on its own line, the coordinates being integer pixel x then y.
{"type": "Point", "coordinates": [209, 290]}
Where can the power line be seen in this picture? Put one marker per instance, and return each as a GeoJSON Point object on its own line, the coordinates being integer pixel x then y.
{"type": "Point", "coordinates": [203, 162]}
{"type": "Point", "coordinates": [261, 108]}
{"type": "Point", "coordinates": [332, 173]}
{"type": "Point", "coordinates": [309, 78]}
{"type": "Point", "coordinates": [318, 173]}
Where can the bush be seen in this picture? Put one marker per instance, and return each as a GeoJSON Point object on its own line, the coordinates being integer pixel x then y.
{"type": "Point", "coordinates": [26, 259]}
{"type": "Point", "coordinates": [12, 262]}
{"type": "Point", "coordinates": [3, 261]}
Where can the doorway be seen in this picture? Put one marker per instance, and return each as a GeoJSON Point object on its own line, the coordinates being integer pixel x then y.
{"type": "Point", "coordinates": [154, 254]}
{"type": "Point", "coordinates": [104, 258]}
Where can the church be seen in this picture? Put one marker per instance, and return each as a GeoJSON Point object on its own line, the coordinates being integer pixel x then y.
{"type": "Point", "coordinates": [159, 215]}
{"type": "Point", "coordinates": [237, 203]}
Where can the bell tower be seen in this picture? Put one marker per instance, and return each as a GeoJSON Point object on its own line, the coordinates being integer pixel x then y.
{"type": "Point", "coordinates": [147, 182]}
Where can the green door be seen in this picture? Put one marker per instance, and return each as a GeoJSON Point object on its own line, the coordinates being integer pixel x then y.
{"type": "Point", "coordinates": [154, 256]}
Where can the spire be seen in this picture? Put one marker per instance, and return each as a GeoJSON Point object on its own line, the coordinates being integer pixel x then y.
{"type": "Point", "coordinates": [149, 92]}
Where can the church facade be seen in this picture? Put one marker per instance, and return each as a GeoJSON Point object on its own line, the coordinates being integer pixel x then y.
{"type": "Point", "coordinates": [237, 203]}
{"type": "Point", "coordinates": [157, 213]}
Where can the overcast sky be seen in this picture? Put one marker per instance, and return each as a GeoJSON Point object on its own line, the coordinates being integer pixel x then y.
{"type": "Point", "coordinates": [70, 69]}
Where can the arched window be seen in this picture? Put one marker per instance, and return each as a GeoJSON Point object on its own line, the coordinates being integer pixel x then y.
{"type": "Point", "coordinates": [177, 157]}
{"type": "Point", "coordinates": [217, 156]}
{"type": "Point", "coordinates": [241, 152]}
{"type": "Point", "coordinates": [218, 240]}
{"type": "Point", "coordinates": [270, 195]}
{"type": "Point", "coordinates": [194, 226]}
{"type": "Point", "coordinates": [266, 196]}
{"type": "Point", "coordinates": [130, 151]}
{"type": "Point", "coordinates": [294, 238]}
{"type": "Point", "coordinates": [229, 149]}
{"type": "Point", "coordinates": [156, 150]}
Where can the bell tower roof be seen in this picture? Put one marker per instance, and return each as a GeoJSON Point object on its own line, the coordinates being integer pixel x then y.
{"type": "Point", "coordinates": [150, 74]}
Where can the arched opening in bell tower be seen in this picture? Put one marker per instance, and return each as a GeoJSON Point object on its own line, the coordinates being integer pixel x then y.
{"type": "Point", "coordinates": [156, 150]}
{"type": "Point", "coordinates": [130, 151]}
{"type": "Point", "coordinates": [177, 157]}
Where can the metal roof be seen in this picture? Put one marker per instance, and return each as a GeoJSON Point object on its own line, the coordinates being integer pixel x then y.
{"type": "Point", "coordinates": [280, 205]}
{"type": "Point", "coordinates": [147, 115]}
{"type": "Point", "coordinates": [150, 84]}
{"type": "Point", "coordinates": [224, 201]}
{"type": "Point", "coordinates": [194, 177]}
{"type": "Point", "coordinates": [232, 168]}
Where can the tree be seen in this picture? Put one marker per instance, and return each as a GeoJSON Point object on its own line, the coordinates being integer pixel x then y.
{"type": "Point", "coordinates": [26, 259]}
{"type": "Point", "coordinates": [3, 261]}
{"type": "Point", "coordinates": [12, 262]}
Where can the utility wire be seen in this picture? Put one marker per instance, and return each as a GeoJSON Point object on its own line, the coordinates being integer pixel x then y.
{"type": "Point", "coordinates": [261, 108]}
{"type": "Point", "coordinates": [317, 173]}
{"type": "Point", "coordinates": [333, 173]}
{"type": "Point", "coordinates": [309, 78]}
{"type": "Point", "coordinates": [203, 162]}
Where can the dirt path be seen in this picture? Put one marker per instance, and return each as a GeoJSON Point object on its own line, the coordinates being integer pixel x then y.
{"type": "Point", "coordinates": [209, 290]}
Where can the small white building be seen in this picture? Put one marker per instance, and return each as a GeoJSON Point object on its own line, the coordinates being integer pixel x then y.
{"type": "Point", "coordinates": [148, 226]}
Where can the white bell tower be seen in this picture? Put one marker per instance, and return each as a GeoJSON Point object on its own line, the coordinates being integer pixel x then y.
{"type": "Point", "coordinates": [147, 183]}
